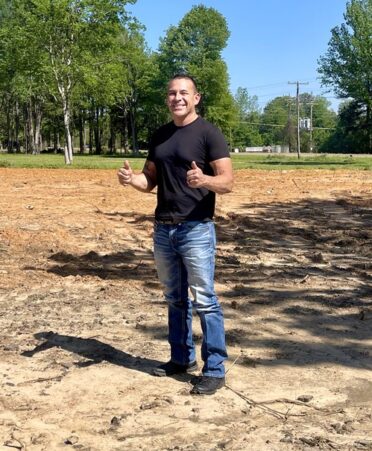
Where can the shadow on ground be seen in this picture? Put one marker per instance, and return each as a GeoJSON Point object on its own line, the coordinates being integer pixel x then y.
{"type": "Point", "coordinates": [268, 258]}
{"type": "Point", "coordinates": [94, 351]}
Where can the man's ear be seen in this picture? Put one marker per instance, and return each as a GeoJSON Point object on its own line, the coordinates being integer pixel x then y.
{"type": "Point", "coordinates": [197, 98]}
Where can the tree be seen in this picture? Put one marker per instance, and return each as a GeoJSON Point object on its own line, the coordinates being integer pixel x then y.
{"type": "Point", "coordinates": [136, 71]}
{"type": "Point", "coordinates": [347, 65]}
{"type": "Point", "coordinates": [195, 47]}
{"type": "Point", "coordinates": [348, 136]}
{"type": "Point", "coordinates": [75, 35]}
{"type": "Point", "coordinates": [245, 131]}
{"type": "Point", "coordinates": [317, 109]}
{"type": "Point", "coordinates": [246, 104]}
{"type": "Point", "coordinates": [278, 122]}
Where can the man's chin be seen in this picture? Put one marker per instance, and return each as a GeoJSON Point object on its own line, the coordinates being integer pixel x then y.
{"type": "Point", "coordinates": [179, 114]}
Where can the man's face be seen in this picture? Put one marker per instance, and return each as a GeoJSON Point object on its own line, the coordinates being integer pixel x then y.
{"type": "Point", "coordinates": [182, 98]}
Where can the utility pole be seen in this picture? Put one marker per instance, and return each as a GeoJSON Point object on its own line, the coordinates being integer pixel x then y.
{"type": "Point", "coordinates": [311, 125]}
{"type": "Point", "coordinates": [289, 123]}
{"type": "Point", "coordinates": [298, 112]}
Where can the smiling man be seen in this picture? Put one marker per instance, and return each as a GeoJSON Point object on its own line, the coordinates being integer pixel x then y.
{"type": "Point", "coordinates": [189, 162]}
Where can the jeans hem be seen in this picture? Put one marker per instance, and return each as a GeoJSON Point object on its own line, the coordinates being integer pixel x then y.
{"type": "Point", "coordinates": [213, 375]}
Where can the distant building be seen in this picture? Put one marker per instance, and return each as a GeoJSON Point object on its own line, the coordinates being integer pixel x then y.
{"type": "Point", "coordinates": [268, 149]}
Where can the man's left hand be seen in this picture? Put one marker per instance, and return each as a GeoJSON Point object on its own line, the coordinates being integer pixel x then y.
{"type": "Point", "coordinates": [195, 177]}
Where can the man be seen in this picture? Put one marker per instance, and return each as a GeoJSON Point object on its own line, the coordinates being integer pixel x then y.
{"type": "Point", "coordinates": [189, 162]}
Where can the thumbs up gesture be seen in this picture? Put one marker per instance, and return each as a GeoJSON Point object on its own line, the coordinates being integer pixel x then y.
{"type": "Point", "coordinates": [125, 174]}
{"type": "Point", "coordinates": [195, 177]}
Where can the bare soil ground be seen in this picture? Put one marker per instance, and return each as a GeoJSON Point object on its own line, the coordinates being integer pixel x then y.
{"type": "Point", "coordinates": [83, 321]}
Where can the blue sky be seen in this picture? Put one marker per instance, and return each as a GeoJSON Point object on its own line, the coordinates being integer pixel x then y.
{"type": "Point", "coordinates": [271, 41]}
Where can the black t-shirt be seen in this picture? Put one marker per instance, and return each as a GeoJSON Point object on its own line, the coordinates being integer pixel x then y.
{"type": "Point", "coordinates": [172, 149]}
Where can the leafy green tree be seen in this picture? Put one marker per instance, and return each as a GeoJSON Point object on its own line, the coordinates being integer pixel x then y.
{"type": "Point", "coordinates": [278, 122]}
{"type": "Point", "coordinates": [75, 35]}
{"type": "Point", "coordinates": [317, 109]}
{"type": "Point", "coordinates": [23, 80]}
{"type": "Point", "coordinates": [347, 67]}
{"type": "Point", "coordinates": [348, 135]}
{"type": "Point", "coordinates": [7, 74]}
{"type": "Point", "coordinates": [151, 100]}
{"type": "Point", "coordinates": [246, 104]}
{"type": "Point", "coordinates": [195, 47]}
{"type": "Point", "coordinates": [136, 72]}
{"type": "Point", "coordinates": [245, 131]}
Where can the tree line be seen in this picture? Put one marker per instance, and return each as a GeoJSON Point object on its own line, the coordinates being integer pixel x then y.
{"type": "Point", "coordinates": [78, 76]}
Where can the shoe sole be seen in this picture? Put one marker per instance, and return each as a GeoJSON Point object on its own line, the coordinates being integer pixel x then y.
{"type": "Point", "coordinates": [160, 373]}
{"type": "Point", "coordinates": [198, 392]}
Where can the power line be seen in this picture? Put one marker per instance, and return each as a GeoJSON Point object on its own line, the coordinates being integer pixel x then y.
{"type": "Point", "coordinates": [259, 123]}
{"type": "Point", "coordinates": [267, 86]}
{"type": "Point", "coordinates": [278, 84]}
{"type": "Point", "coordinates": [278, 125]}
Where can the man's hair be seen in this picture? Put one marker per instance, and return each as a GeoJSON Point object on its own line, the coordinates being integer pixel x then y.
{"type": "Point", "coordinates": [188, 77]}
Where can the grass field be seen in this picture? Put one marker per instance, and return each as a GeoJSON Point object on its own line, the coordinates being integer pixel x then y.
{"type": "Point", "coordinates": [240, 161]}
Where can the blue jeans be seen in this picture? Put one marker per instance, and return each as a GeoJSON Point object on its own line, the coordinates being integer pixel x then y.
{"type": "Point", "coordinates": [185, 259]}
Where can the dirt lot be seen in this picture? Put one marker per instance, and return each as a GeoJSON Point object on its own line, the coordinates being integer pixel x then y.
{"type": "Point", "coordinates": [82, 319]}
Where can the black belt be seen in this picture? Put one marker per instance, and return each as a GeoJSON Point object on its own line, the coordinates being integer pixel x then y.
{"type": "Point", "coordinates": [176, 221]}
{"type": "Point", "coordinates": [169, 221]}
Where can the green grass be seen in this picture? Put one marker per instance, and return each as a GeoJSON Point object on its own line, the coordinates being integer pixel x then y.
{"type": "Point", "coordinates": [286, 161]}
{"type": "Point", "coordinates": [240, 161]}
{"type": "Point", "coordinates": [52, 161]}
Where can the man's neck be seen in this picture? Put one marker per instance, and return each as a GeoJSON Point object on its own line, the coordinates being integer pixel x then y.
{"type": "Point", "coordinates": [182, 121]}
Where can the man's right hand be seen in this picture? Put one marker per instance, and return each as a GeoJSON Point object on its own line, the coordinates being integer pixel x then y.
{"type": "Point", "coordinates": [125, 174]}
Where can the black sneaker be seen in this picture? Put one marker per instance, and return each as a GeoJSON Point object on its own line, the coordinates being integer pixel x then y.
{"type": "Point", "coordinates": [207, 385]}
{"type": "Point", "coordinates": [170, 368]}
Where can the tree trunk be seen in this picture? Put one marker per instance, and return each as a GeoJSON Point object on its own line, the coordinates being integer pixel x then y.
{"type": "Point", "coordinates": [81, 131]}
{"type": "Point", "coordinates": [112, 140]}
{"type": "Point", "coordinates": [91, 120]}
{"type": "Point", "coordinates": [134, 132]}
{"type": "Point", "coordinates": [25, 128]}
{"type": "Point", "coordinates": [17, 126]}
{"type": "Point", "coordinates": [30, 128]}
{"type": "Point", "coordinates": [68, 138]}
{"type": "Point", "coordinates": [38, 138]}
{"type": "Point", "coordinates": [64, 91]}
{"type": "Point", "coordinates": [8, 130]}
{"type": "Point", "coordinates": [125, 133]}
{"type": "Point", "coordinates": [55, 139]}
{"type": "Point", "coordinates": [97, 134]}
{"type": "Point", "coordinates": [369, 126]}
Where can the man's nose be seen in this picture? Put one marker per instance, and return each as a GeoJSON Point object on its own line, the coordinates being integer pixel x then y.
{"type": "Point", "coordinates": [178, 96]}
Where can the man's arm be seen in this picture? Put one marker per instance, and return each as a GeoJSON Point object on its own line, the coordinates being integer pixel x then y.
{"type": "Point", "coordinates": [145, 181]}
{"type": "Point", "coordinates": [222, 180]}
